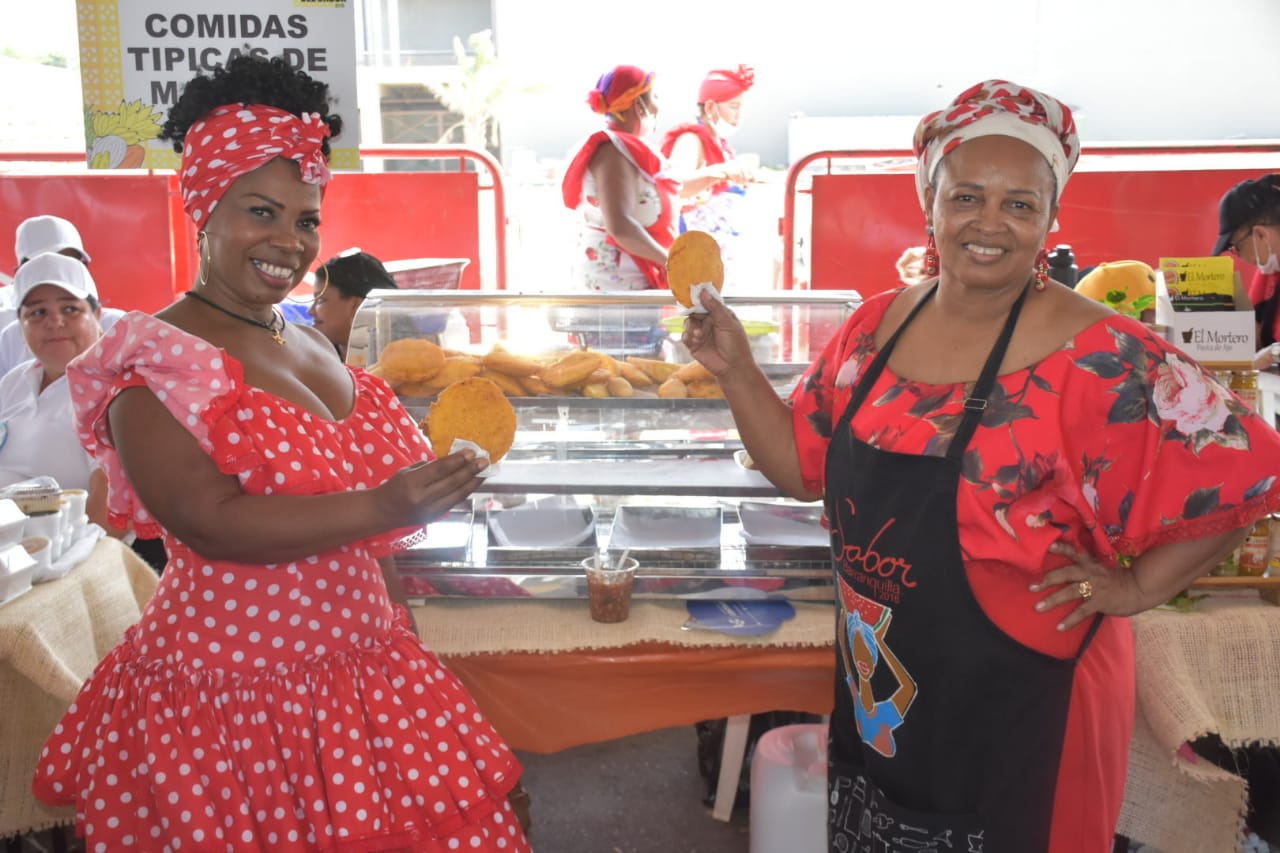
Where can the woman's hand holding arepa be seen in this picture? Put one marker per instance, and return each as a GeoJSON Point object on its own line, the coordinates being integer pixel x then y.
{"type": "Point", "coordinates": [424, 492]}
{"type": "Point", "coordinates": [717, 338]}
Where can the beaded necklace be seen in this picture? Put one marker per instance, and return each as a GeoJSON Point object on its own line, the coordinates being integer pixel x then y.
{"type": "Point", "coordinates": [261, 324]}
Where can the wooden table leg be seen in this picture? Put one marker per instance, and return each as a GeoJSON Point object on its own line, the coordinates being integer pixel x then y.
{"type": "Point", "coordinates": [731, 758]}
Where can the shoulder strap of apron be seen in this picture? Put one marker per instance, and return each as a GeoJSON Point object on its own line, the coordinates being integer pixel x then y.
{"type": "Point", "coordinates": [976, 403]}
{"type": "Point", "coordinates": [868, 381]}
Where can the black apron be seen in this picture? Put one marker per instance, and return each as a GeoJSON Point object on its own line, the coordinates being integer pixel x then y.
{"type": "Point", "coordinates": [946, 732]}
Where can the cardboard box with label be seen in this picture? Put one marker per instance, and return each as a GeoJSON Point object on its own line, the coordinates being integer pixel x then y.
{"type": "Point", "coordinates": [1216, 339]}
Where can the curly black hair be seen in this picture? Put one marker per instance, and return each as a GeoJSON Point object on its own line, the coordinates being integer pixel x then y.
{"type": "Point", "coordinates": [249, 79]}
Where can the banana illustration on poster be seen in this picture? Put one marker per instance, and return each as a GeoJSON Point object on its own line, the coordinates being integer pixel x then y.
{"type": "Point", "coordinates": [135, 56]}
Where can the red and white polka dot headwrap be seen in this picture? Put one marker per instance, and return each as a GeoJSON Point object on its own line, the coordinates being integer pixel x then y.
{"type": "Point", "coordinates": [998, 108]}
{"type": "Point", "coordinates": [235, 139]}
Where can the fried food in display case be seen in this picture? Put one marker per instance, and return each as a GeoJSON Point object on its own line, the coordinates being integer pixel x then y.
{"type": "Point", "coordinates": [609, 410]}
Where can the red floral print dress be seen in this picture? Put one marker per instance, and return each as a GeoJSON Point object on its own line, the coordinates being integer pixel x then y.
{"type": "Point", "coordinates": [1115, 443]}
{"type": "Point", "coordinates": [278, 707]}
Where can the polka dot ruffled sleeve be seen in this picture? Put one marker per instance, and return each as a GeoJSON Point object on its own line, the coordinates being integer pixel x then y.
{"type": "Point", "coordinates": [269, 444]}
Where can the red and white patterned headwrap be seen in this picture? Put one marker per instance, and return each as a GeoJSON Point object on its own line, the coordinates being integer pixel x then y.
{"type": "Point", "coordinates": [234, 139]}
{"type": "Point", "coordinates": [725, 84]}
{"type": "Point", "coordinates": [998, 108]}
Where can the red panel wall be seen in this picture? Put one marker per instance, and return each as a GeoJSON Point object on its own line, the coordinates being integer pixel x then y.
{"type": "Point", "coordinates": [143, 245]}
{"type": "Point", "coordinates": [862, 222]}
{"type": "Point", "coordinates": [124, 221]}
{"type": "Point", "coordinates": [396, 215]}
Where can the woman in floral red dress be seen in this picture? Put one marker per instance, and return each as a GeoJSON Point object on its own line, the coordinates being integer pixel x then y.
{"type": "Point", "coordinates": [619, 185]}
{"type": "Point", "coordinates": [272, 697]}
{"type": "Point", "coordinates": [1006, 467]}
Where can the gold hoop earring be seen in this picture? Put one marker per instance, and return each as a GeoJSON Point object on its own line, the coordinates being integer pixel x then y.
{"type": "Point", "coordinates": [324, 268]}
{"type": "Point", "coordinates": [205, 255]}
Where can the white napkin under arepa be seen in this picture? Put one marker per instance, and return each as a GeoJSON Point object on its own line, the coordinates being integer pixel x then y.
{"type": "Point", "coordinates": [461, 444]}
{"type": "Point", "coordinates": [695, 296]}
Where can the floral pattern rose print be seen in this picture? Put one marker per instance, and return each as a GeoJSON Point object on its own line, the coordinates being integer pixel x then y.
{"type": "Point", "coordinates": [1102, 442]}
{"type": "Point", "coordinates": [1170, 390]}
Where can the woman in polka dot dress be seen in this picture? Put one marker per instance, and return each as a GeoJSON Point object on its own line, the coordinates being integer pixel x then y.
{"type": "Point", "coordinates": [272, 697]}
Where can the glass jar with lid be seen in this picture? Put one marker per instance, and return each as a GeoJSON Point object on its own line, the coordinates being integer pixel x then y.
{"type": "Point", "coordinates": [1245, 385]}
{"type": "Point", "coordinates": [1252, 556]}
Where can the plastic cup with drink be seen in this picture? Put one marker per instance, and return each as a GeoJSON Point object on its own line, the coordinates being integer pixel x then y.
{"type": "Point", "coordinates": [609, 586]}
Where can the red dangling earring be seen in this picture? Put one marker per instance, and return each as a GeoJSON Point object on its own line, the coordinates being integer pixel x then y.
{"type": "Point", "coordinates": [1042, 269]}
{"type": "Point", "coordinates": [930, 254]}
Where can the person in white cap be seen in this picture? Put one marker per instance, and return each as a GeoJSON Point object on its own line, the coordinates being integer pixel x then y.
{"type": "Point", "coordinates": [37, 236]}
{"type": "Point", "coordinates": [41, 234]}
{"type": "Point", "coordinates": [58, 314]}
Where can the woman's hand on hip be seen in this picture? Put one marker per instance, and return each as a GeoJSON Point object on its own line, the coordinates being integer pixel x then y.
{"type": "Point", "coordinates": [424, 492]}
{"type": "Point", "coordinates": [1087, 587]}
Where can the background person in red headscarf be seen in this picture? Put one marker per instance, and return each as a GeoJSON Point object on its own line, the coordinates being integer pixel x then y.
{"type": "Point", "coordinates": [620, 185]}
{"type": "Point", "coordinates": [713, 179]}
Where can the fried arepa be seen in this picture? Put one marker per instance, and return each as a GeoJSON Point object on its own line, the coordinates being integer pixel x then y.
{"type": "Point", "coordinates": [473, 409]}
{"type": "Point", "coordinates": [693, 258]}
{"type": "Point", "coordinates": [409, 360]}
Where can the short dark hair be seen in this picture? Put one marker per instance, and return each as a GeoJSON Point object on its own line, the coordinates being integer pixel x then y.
{"type": "Point", "coordinates": [355, 273]}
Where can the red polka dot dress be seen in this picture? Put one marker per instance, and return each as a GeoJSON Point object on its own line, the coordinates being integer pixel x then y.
{"type": "Point", "coordinates": [278, 707]}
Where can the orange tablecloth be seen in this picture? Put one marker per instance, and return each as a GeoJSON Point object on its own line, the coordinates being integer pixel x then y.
{"type": "Point", "coordinates": [558, 680]}
{"type": "Point", "coordinates": [548, 702]}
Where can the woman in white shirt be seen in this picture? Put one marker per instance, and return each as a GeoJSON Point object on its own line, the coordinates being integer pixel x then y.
{"type": "Point", "coordinates": [59, 314]}
{"type": "Point", "coordinates": [35, 236]}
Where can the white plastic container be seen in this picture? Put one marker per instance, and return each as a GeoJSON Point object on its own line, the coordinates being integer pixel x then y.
{"type": "Point", "coordinates": [12, 522]}
{"type": "Point", "coordinates": [16, 570]}
{"type": "Point", "coordinates": [789, 790]}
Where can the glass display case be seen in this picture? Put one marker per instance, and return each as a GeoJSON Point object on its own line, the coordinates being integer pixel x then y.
{"type": "Point", "coordinates": [651, 464]}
